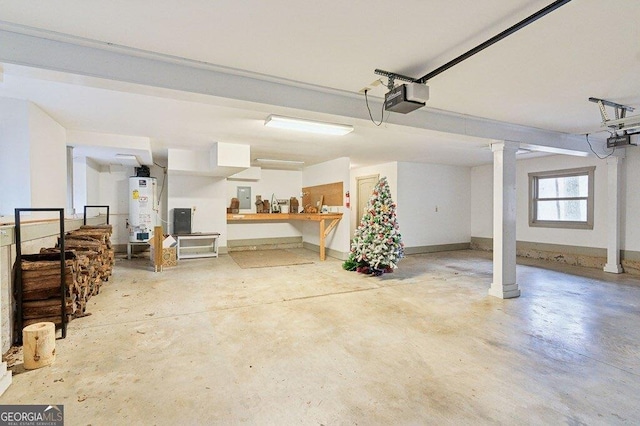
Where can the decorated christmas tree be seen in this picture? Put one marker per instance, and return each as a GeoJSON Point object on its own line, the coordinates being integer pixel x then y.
{"type": "Point", "coordinates": [377, 244]}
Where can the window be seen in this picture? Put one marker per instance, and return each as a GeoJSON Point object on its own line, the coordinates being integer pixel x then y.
{"type": "Point", "coordinates": [561, 198]}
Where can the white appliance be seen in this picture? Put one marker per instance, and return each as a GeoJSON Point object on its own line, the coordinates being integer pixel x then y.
{"type": "Point", "coordinates": [142, 208]}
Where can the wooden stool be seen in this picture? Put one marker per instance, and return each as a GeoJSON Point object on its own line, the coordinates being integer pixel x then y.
{"type": "Point", "coordinates": [39, 342]}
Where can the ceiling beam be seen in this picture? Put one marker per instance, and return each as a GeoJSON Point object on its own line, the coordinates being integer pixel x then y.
{"type": "Point", "coordinates": [59, 52]}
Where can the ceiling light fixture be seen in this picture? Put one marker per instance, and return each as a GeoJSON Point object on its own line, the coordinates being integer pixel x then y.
{"type": "Point", "coordinates": [309, 126]}
{"type": "Point", "coordinates": [272, 160]}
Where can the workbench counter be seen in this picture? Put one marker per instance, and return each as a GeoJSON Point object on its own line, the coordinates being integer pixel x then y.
{"type": "Point", "coordinates": [310, 217]}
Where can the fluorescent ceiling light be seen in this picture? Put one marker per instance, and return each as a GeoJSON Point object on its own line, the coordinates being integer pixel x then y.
{"type": "Point", "coordinates": [309, 126]}
{"type": "Point", "coordinates": [127, 160]}
{"type": "Point", "coordinates": [272, 160]}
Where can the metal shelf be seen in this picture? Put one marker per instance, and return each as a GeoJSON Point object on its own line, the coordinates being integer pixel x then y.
{"type": "Point", "coordinates": [183, 250]}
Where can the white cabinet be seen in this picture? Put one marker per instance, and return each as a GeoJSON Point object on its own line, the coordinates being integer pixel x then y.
{"type": "Point", "coordinates": [202, 244]}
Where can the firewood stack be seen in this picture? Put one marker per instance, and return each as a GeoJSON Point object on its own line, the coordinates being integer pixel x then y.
{"type": "Point", "coordinates": [89, 261]}
{"type": "Point", "coordinates": [105, 230]}
{"type": "Point", "coordinates": [81, 287]}
{"type": "Point", "coordinates": [94, 239]}
{"type": "Point", "coordinates": [92, 245]}
{"type": "Point", "coordinates": [41, 287]}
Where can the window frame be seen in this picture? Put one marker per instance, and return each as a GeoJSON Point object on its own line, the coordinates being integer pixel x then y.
{"type": "Point", "coordinates": [533, 198]}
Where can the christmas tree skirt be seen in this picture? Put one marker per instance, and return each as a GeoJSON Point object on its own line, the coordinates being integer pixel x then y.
{"type": "Point", "coordinates": [266, 258]}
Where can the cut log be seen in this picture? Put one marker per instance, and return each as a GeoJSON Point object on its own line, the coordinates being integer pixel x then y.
{"type": "Point", "coordinates": [79, 244]}
{"type": "Point", "coordinates": [46, 272]}
{"type": "Point", "coordinates": [45, 308]}
{"type": "Point", "coordinates": [39, 345]}
{"type": "Point", "coordinates": [28, 265]}
{"type": "Point", "coordinates": [40, 294]}
{"type": "Point", "coordinates": [56, 320]}
{"type": "Point", "coordinates": [108, 229]}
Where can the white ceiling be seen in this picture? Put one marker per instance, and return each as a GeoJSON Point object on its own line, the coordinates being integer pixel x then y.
{"type": "Point", "coordinates": [539, 77]}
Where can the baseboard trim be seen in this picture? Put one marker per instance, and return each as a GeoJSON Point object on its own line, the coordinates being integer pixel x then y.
{"type": "Point", "coordinates": [436, 248]}
{"type": "Point", "coordinates": [591, 257]}
{"type": "Point", "coordinates": [135, 248]}
{"type": "Point", "coordinates": [482, 243]}
{"type": "Point", "coordinates": [264, 243]}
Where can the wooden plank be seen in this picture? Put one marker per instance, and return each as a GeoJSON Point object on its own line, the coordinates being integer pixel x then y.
{"type": "Point", "coordinates": [331, 193]}
{"type": "Point", "coordinates": [332, 225]}
{"type": "Point", "coordinates": [157, 248]}
{"type": "Point", "coordinates": [314, 217]}
{"type": "Point", "coordinates": [322, 237]}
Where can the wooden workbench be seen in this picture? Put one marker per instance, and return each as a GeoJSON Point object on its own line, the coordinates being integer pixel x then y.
{"type": "Point", "coordinates": [313, 217]}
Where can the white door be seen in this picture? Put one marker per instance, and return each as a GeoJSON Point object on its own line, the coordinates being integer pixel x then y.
{"type": "Point", "coordinates": [365, 188]}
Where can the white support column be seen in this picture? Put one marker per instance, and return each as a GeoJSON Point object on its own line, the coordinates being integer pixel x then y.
{"type": "Point", "coordinates": [613, 215]}
{"type": "Point", "coordinates": [5, 284]}
{"type": "Point", "coordinates": [504, 220]}
{"type": "Point", "coordinates": [6, 377]}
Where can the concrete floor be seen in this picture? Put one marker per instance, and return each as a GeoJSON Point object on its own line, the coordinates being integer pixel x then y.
{"type": "Point", "coordinates": [209, 343]}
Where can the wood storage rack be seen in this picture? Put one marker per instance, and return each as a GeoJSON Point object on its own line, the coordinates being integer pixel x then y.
{"type": "Point", "coordinates": [19, 284]}
{"type": "Point", "coordinates": [84, 220]}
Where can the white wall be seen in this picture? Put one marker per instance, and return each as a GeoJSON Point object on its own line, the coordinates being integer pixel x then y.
{"type": "Point", "coordinates": [93, 185]}
{"type": "Point", "coordinates": [15, 178]}
{"type": "Point", "coordinates": [79, 184]}
{"type": "Point", "coordinates": [86, 184]}
{"type": "Point", "coordinates": [113, 191]}
{"type": "Point", "coordinates": [33, 164]}
{"type": "Point", "coordinates": [331, 171]}
{"type": "Point", "coordinates": [284, 184]}
{"type": "Point", "coordinates": [425, 188]}
{"type": "Point", "coordinates": [631, 198]}
{"type": "Point", "coordinates": [48, 160]}
{"type": "Point", "coordinates": [481, 202]}
{"type": "Point", "coordinates": [207, 194]}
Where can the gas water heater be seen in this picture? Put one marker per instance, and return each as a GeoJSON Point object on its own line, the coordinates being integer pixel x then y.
{"type": "Point", "coordinates": [142, 208]}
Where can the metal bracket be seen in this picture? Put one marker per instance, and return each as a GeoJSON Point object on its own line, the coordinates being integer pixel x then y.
{"type": "Point", "coordinates": [392, 77]}
{"type": "Point", "coordinates": [620, 110]}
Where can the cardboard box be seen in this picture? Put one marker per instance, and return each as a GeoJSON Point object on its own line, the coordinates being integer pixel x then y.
{"type": "Point", "coordinates": [169, 241]}
{"type": "Point", "coordinates": [169, 256]}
